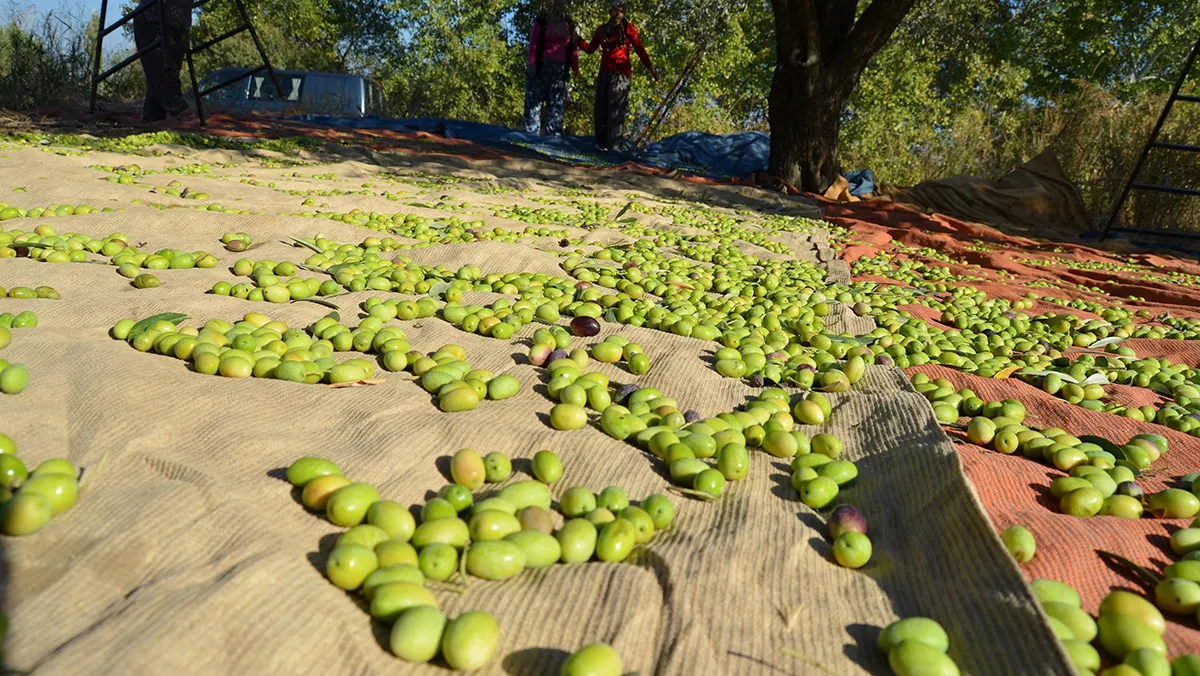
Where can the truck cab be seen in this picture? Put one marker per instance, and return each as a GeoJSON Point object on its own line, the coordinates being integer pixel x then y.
{"type": "Point", "coordinates": [303, 92]}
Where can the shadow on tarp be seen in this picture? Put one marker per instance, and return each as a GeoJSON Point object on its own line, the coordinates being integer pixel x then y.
{"type": "Point", "coordinates": [708, 155]}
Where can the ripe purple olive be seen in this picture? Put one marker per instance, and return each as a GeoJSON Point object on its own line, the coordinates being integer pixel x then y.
{"type": "Point", "coordinates": [585, 326]}
{"type": "Point", "coordinates": [237, 245]}
{"type": "Point", "coordinates": [846, 519]}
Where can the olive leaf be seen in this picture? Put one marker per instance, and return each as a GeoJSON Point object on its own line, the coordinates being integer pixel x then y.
{"type": "Point", "coordinates": [145, 324]}
{"type": "Point", "coordinates": [1103, 342]}
{"type": "Point", "coordinates": [1131, 566]}
{"type": "Point", "coordinates": [296, 241]}
{"type": "Point", "coordinates": [1104, 444]}
{"type": "Point", "coordinates": [1066, 378]}
{"type": "Point", "coordinates": [1096, 379]}
{"type": "Point", "coordinates": [624, 209]}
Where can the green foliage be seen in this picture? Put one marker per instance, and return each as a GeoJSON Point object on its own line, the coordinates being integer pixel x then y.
{"type": "Point", "coordinates": [47, 62]}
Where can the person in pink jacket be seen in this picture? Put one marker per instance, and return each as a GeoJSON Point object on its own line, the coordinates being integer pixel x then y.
{"type": "Point", "coordinates": [553, 48]}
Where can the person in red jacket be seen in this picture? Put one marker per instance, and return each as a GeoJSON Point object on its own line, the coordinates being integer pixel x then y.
{"type": "Point", "coordinates": [612, 84]}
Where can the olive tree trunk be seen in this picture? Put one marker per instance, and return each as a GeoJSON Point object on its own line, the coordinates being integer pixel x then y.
{"type": "Point", "coordinates": [821, 51]}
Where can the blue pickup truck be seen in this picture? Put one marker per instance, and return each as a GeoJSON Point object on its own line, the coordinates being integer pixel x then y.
{"type": "Point", "coordinates": [303, 92]}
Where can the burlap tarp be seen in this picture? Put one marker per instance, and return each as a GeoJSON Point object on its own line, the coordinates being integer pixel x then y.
{"type": "Point", "coordinates": [1035, 199]}
{"type": "Point", "coordinates": [187, 552]}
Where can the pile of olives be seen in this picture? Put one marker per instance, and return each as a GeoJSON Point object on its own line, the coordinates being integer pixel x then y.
{"type": "Point", "coordinates": [259, 347]}
{"type": "Point", "coordinates": [14, 378]}
{"type": "Point", "coordinates": [387, 557]}
{"type": "Point", "coordinates": [26, 293]}
{"type": "Point", "coordinates": [28, 500]}
{"type": "Point", "coordinates": [917, 646]}
{"type": "Point", "coordinates": [447, 375]}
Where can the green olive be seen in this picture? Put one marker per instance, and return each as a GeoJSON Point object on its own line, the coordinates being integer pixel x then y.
{"type": "Point", "coordinates": [495, 559]}
{"type": "Point", "coordinates": [348, 505]}
{"type": "Point", "coordinates": [467, 469]}
{"type": "Point", "coordinates": [540, 549]}
{"type": "Point", "coordinates": [1121, 634]}
{"type": "Point", "coordinates": [497, 467]}
{"type": "Point", "coordinates": [920, 629]}
{"type": "Point", "coordinates": [1177, 596]}
{"type": "Point", "coordinates": [567, 417]}
{"type": "Point", "coordinates": [502, 387]}
{"type": "Point", "coordinates": [818, 492]}
{"type": "Point", "coordinates": [1082, 502]}
{"type": "Point", "coordinates": [660, 509]}
{"type": "Point", "coordinates": [391, 599]}
{"type": "Point", "coordinates": [1082, 626]}
{"type": "Point", "coordinates": [577, 538]}
{"type": "Point", "coordinates": [710, 482]}
{"type": "Point", "coordinates": [914, 658]}
{"type": "Point", "coordinates": [393, 518]}
{"type": "Point", "coordinates": [1148, 662]}
{"type": "Point", "coordinates": [387, 574]}
{"type": "Point", "coordinates": [363, 534]}
{"type": "Point", "coordinates": [469, 640]}
{"type": "Point", "coordinates": [461, 399]}
{"type": "Point", "coordinates": [349, 566]}
{"type": "Point", "coordinates": [576, 501]}
{"type": "Point", "coordinates": [7, 445]}
{"type": "Point", "coordinates": [417, 633]}
{"type": "Point", "coordinates": [453, 532]}
{"type": "Point", "coordinates": [613, 498]}
{"type": "Point", "coordinates": [306, 469]}
{"type": "Point", "coordinates": [615, 541]}
{"type": "Point", "coordinates": [14, 379]}
{"type": "Point", "coordinates": [316, 493]}
{"type": "Point", "coordinates": [60, 489]}
{"type": "Point", "coordinates": [492, 525]}
{"type": "Point", "coordinates": [547, 467]}
{"type": "Point", "coordinates": [642, 523]}
{"type": "Point", "coordinates": [600, 516]}
{"type": "Point", "coordinates": [1126, 603]}
{"type": "Point", "coordinates": [597, 659]}
{"type": "Point", "coordinates": [395, 552]}
{"type": "Point", "coordinates": [25, 513]}
{"type": "Point", "coordinates": [1082, 655]}
{"type": "Point", "coordinates": [438, 561]}
{"type": "Point", "coordinates": [1020, 543]}
{"type": "Point", "coordinates": [438, 508]}
{"type": "Point", "coordinates": [1048, 591]}
{"type": "Point", "coordinates": [458, 496]}
{"type": "Point", "coordinates": [523, 494]}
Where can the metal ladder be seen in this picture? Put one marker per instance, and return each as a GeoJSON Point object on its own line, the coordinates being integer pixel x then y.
{"type": "Point", "coordinates": [161, 42]}
{"type": "Point", "coordinates": [1133, 184]}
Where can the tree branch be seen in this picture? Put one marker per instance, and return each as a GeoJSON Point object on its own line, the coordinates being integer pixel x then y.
{"type": "Point", "coordinates": [877, 23]}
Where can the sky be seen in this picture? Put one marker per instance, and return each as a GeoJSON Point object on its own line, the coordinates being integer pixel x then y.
{"type": "Point", "coordinates": [32, 10]}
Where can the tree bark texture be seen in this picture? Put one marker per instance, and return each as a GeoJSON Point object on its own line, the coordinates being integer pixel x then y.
{"type": "Point", "coordinates": [821, 51]}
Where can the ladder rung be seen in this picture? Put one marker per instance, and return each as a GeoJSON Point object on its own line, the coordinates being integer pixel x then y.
{"type": "Point", "coordinates": [225, 36]}
{"type": "Point", "coordinates": [128, 17]}
{"type": "Point", "coordinates": [226, 83]}
{"type": "Point", "coordinates": [1166, 188]}
{"type": "Point", "coordinates": [1187, 97]}
{"type": "Point", "coordinates": [1176, 146]}
{"type": "Point", "coordinates": [126, 61]}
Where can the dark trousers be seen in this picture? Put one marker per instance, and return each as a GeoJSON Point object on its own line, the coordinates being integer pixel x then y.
{"type": "Point", "coordinates": [548, 90]}
{"type": "Point", "coordinates": [612, 105]}
{"type": "Point", "coordinates": [164, 92]}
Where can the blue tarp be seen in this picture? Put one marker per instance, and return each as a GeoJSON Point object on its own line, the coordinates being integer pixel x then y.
{"type": "Point", "coordinates": [711, 155]}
